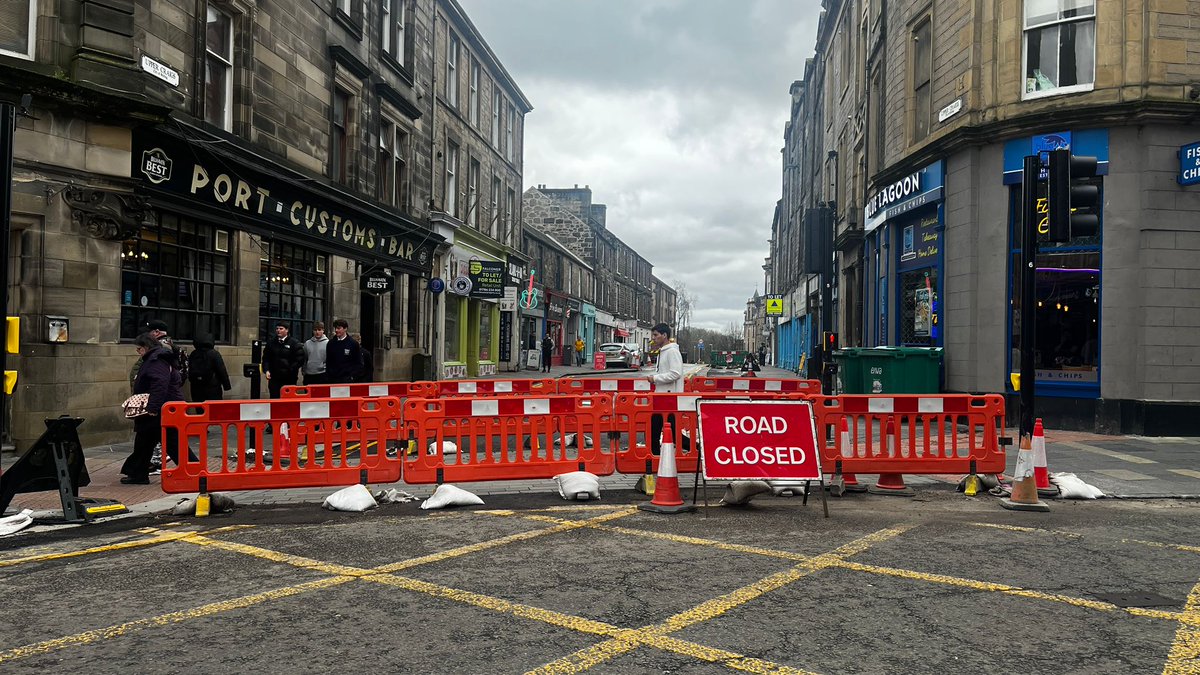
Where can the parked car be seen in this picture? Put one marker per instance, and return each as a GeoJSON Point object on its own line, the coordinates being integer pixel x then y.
{"type": "Point", "coordinates": [621, 354]}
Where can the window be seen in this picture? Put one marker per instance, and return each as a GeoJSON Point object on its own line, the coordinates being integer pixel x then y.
{"type": "Point", "coordinates": [453, 312]}
{"type": "Point", "coordinates": [922, 74]}
{"type": "Point", "coordinates": [508, 133]}
{"type": "Point", "coordinates": [218, 69]}
{"type": "Point", "coordinates": [451, 195]}
{"type": "Point", "coordinates": [414, 305]}
{"type": "Point", "coordinates": [392, 13]}
{"type": "Point", "coordinates": [485, 332]}
{"type": "Point", "coordinates": [339, 137]}
{"type": "Point", "coordinates": [510, 208]}
{"type": "Point", "coordinates": [392, 165]}
{"type": "Point", "coordinates": [473, 194]}
{"type": "Point", "coordinates": [497, 101]}
{"type": "Point", "coordinates": [176, 272]}
{"type": "Point", "coordinates": [18, 27]}
{"type": "Point", "coordinates": [473, 103]}
{"type": "Point", "coordinates": [1060, 46]}
{"type": "Point", "coordinates": [292, 286]}
{"type": "Point", "coordinates": [405, 309]}
{"type": "Point", "coordinates": [494, 223]}
{"type": "Point", "coordinates": [452, 71]}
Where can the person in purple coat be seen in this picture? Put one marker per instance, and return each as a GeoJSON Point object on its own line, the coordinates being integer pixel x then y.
{"type": "Point", "coordinates": [158, 376]}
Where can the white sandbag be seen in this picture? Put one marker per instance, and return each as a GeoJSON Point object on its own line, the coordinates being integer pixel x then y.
{"type": "Point", "coordinates": [393, 496]}
{"type": "Point", "coordinates": [186, 506]}
{"type": "Point", "coordinates": [578, 485]}
{"type": "Point", "coordinates": [448, 495]}
{"type": "Point", "coordinates": [787, 488]}
{"type": "Point", "coordinates": [16, 522]}
{"type": "Point", "coordinates": [1071, 487]}
{"type": "Point", "coordinates": [354, 498]}
{"type": "Point", "coordinates": [572, 441]}
{"type": "Point", "coordinates": [740, 492]}
{"type": "Point", "coordinates": [448, 448]}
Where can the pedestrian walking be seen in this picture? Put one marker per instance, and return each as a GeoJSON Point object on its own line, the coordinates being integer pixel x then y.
{"type": "Point", "coordinates": [282, 359]}
{"type": "Point", "coordinates": [157, 329]}
{"type": "Point", "coordinates": [547, 352]}
{"type": "Point", "coordinates": [342, 358]}
{"type": "Point", "coordinates": [668, 377]}
{"type": "Point", "coordinates": [366, 362]}
{"type": "Point", "coordinates": [762, 354]}
{"type": "Point", "coordinates": [206, 371]}
{"type": "Point", "coordinates": [579, 351]}
{"type": "Point", "coordinates": [314, 355]}
{"type": "Point", "coordinates": [160, 379]}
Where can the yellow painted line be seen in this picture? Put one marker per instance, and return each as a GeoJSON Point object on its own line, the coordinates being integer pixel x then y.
{"type": "Point", "coordinates": [1158, 544]}
{"type": "Point", "coordinates": [560, 526]}
{"type": "Point", "coordinates": [159, 538]}
{"type": "Point", "coordinates": [715, 655]}
{"type": "Point", "coordinates": [711, 609]}
{"type": "Point", "coordinates": [1190, 473]}
{"type": "Point", "coordinates": [279, 557]}
{"type": "Point", "coordinates": [88, 637]}
{"type": "Point", "coordinates": [1184, 657]}
{"type": "Point", "coordinates": [1032, 530]}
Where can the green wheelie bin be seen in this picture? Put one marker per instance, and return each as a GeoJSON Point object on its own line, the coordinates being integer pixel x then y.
{"type": "Point", "coordinates": [889, 370]}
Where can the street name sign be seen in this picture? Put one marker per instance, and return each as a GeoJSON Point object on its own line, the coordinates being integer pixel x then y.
{"type": "Point", "coordinates": [759, 440]}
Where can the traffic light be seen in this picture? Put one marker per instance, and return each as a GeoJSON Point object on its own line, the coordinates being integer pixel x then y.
{"type": "Point", "coordinates": [830, 340]}
{"type": "Point", "coordinates": [12, 345]}
{"type": "Point", "coordinates": [1069, 194]}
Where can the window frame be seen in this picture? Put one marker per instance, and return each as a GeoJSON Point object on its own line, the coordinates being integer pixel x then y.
{"type": "Point", "coordinates": [30, 36]}
{"type": "Point", "coordinates": [450, 179]}
{"type": "Point", "coordinates": [473, 93]}
{"type": "Point", "coordinates": [392, 38]}
{"type": "Point", "coordinates": [298, 261]}
{"type": "Point", "coordinates": [453, 47]}
{"type": "Point", "coordinates": [339, 136]}
{"type": "Point", "coordinates": [494, 223]}
{"type": "Point", "coordinates": [922, 82]}
{"type": "Point", "coordinates": [473, 173]}
{"type": "Point", "coordinates": [497, 102]}
{"type": "Point", "coordinates": [508, 132]}
{"type": "Point", "coordinates": [226, 62]}
{"type": "Point", "coordinates": [1027, 28]}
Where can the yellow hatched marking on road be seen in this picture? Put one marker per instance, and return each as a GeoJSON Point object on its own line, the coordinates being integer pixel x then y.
{"type": "Point", "coordinates": [606, 651]}
{"type": "Point", "coordinates": [1190, 473]}
{"type": "Point", "coordinates": [1184, 657]}
{"type": "Point", "coordinates": [88, 637]}
{"type": "Point", "coordinates": [280, 557]}
{"type": "Point", "coordinates": [159, 538]}
{"type": "Point", "coordinates": [1074, 535]}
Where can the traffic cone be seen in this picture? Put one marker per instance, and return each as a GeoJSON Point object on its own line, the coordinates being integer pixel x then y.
{"type": "Point", "coordinates": [891, 483]}
{"type": "Point", "coordinates": [1024, 486]}
{"type": "Point", "coordinates": [1041, 474]}
{"type": "Point", "coordinates": [850, 483]}
{"type": "Point", "coordinates": [666, 488]}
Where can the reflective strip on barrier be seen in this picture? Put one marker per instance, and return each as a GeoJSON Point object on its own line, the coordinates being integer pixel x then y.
{"type": "Point", "coordinates": [456, 388]}
{"type": "Point", "coordinates": [302, 442]}
{"type": "Point", "coordinates": [912, 434]}
{"type": "Point", "coordinates": [505, 438]}
{"type": "Point", "coordinates": [361, 390]}
{"type": "Point", "coordinates": [754, 384]}
{"type": "Point", "coordinates": [580, 385]}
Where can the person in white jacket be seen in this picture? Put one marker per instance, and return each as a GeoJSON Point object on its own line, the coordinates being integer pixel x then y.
{"type": "Point", "coordinates": [667, 377]}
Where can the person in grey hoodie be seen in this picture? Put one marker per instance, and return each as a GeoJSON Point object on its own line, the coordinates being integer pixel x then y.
{"type": "Point", "coordinates": [314, 355]}
{"type": "Point", "coordinates": [667, 377]}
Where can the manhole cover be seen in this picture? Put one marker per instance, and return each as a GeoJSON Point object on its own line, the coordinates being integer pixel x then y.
{"type": "Point", "coordinates": [1138, 599]}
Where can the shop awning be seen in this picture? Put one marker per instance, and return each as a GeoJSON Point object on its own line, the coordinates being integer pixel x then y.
{"type": "Point", "coordinates": [621, 332]}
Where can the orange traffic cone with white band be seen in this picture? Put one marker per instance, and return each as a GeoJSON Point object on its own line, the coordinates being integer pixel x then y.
{"type": "Point", "coordinates": [1041, 474]}
{"type": "Point", "coordinates": [891, 483]}
{"type": "Point", "coordinates": [850, 480]}
{"type": "Point", "coordinates": [666, 486]}
{"type": "Point", "coordinates": [1024, 485]}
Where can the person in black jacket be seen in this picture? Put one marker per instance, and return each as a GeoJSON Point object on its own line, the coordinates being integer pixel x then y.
{"type": "Point", "coordinates": [282, 359]}
{"type": "Point", "coordinates": [366, 370]}
{"type": "Point", "coordinates": [342, 359]}
{"type": "Point", "coordinates": [206, 371]}
{"type": "Point", "coordinates": [159, 377]}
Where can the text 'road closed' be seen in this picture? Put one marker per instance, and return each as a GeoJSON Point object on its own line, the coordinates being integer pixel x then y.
{"type": "Point", "coordinates": [758, 440]}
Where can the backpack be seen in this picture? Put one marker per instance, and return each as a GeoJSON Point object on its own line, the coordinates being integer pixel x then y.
{"type": "Point", "coordinates": [201, 370]}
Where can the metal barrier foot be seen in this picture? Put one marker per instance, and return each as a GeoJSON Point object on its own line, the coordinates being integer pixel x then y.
{"type": "Point", "coordinates": [836, 485]}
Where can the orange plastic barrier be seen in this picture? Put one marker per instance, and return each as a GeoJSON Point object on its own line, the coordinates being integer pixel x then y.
{"type": "Point", "coordinates": [632, 418]}
{"type": "Point", "coordinates": [595, 385]}
{"type": "Point", "coordinates": [361, 390]}
{"type": "Point", "coordinates": [754, 384]}
{"type": "Point", "coordinates": [453, 388]}
{"type": "Point", "coordinates": [914, 434]}
{"type": "Point", "coordinates": [505, 438]}
{"type": "Point", "coordinates": [312, 443]}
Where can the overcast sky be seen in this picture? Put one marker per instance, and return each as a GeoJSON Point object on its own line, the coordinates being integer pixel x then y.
{"type": "Point", "coordinates": [672, 111]}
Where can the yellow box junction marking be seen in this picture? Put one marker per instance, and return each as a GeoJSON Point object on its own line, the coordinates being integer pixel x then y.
{"type": "Point", "coordinates": [158, 538]}
{"type": "Point", "coordinates": [1184, 657]}
{"type": "Point", "coordinates": [1074, 535]}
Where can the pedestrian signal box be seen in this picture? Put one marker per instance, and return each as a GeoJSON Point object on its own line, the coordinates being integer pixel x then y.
{"type": "Point", "coordinates": [830, 342]}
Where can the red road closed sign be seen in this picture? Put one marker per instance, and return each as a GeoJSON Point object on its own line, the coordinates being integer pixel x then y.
{"type": "Point", "coordinates": [758, 440]}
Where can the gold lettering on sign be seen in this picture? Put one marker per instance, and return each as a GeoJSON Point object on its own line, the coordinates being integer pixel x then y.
{"type": "Point", "coordinates": [199, 178]}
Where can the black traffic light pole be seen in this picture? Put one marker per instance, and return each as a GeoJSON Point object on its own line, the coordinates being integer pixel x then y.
{"type": "Point", "coordinates": [1029, 225]}
{"type": "Point", "coordinates": [8, 121]}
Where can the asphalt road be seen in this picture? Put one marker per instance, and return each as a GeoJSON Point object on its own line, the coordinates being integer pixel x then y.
{"type": "Point", "coordinates": [941, 583]}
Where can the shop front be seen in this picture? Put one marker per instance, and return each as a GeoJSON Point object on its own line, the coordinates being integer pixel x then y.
{"type": "Point", "coordinates": [903, 258]}
{"type": "Point", "coordinates": [556, 311]}
{"type": "Point", "coordinates": [472, 323]}
{"type": "Point", "coordinates": [1068, 282]}
{"type": "Point", "coordinates": [571, 330]}
{"type": "Point", "coordinates": [587, 330]}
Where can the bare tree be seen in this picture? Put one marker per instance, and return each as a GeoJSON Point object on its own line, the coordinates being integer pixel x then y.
{"type": "Point", "coordinates": [685, 304]}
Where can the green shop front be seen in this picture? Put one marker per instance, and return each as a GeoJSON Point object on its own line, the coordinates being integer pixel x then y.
{"type": "Point", "coordinates": [472, 327]}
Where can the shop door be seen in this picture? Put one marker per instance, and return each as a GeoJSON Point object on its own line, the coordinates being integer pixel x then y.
{"type": "Point", "coordinates": [368, 313]}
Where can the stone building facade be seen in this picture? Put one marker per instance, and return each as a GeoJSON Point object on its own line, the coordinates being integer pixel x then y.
{"type": "Point", "coordinates": [220, 165]}
{"type": "Point", "coordinates": [564, 284]}
{"type": "Point", "coordinates": [936, 104]}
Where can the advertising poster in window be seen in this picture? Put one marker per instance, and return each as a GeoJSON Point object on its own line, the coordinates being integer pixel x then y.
{"type": "Point", "coordinates": [924, 312]}
{"type": "Point", "coordinates": [908, 253]}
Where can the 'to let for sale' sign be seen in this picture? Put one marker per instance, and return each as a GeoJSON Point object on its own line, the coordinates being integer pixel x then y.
{"type": "Point", "coordinates": [759, 440]}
